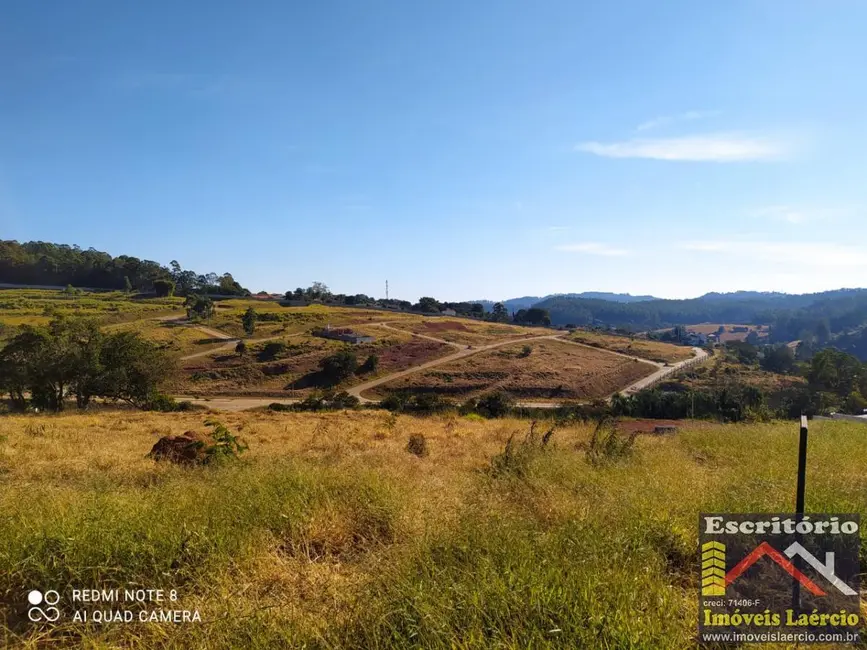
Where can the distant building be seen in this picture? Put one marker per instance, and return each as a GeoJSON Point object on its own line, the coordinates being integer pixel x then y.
{"type": "Point", "coordinates": [695, 338]}
{"type": "Point", "coordinates": [343, 334]}
{"type": "Point", "coordinates": [449, 312]}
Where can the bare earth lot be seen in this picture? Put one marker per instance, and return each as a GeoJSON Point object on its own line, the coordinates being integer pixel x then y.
{"type": "Point", "coordinates": [552, 370]}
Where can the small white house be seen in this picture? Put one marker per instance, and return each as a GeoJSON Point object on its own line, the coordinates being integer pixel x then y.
{"type": "Point", "coordinates": [449, 312]}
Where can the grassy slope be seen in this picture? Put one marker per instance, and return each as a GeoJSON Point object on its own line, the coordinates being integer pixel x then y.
{"type": "Point", "coordinates": [34, 307]}
{"type": "Point", "coordinates": [328, 534]}
{"type": "Point", "coordinates": [652, 350]}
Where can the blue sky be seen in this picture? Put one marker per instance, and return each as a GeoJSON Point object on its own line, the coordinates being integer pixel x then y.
{"type": "Point", "coordinates": [483, 149]}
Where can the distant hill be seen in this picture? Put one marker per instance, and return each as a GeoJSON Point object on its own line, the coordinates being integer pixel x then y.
{"type": "Point", "coordinates": [819, 316]}
{"type": "Point", "coordinates": [611, 297]}
{"type": "Point", "coordinates": [514, 304]}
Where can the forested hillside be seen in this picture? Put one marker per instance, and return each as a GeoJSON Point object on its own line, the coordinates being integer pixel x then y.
{"type": "Point", "coordinates": [43, 263]}
{"type": "Point", "coordinates": [823, 317]}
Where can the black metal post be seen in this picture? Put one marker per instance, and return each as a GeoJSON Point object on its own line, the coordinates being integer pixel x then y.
{"type": "Point", "coordinates": [799, 505]}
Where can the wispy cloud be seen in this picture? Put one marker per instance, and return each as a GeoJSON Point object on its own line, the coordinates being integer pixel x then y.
{"type": "Point", "coordinates": [784, 213]}
{"type": "Point", "coordinates": [668, 120]}
{"type": "Point", "coordinates": [803, 254]}
{"type": "Point", "coordinates": [798, 215]}
{"type": "Point", "coordinates": [708, 147]}
{"type": "Point", "coordinates": [593, 248]}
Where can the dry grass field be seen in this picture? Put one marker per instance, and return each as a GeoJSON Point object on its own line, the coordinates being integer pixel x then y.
{"type": "Point", "coordinates": [37, 306]}
{"type": "Point", "coordinates": [179, 339]}
{"type": "Point", "coordinates": [651, 350]}
{"type": "Point", "coordinates": [329, 534]}
{"type": "Point", "coordinates": [552, 370]}
{"type": "Point", "coordinates": [294, 320]}
{"type": "Point", "coordinates": [465, 331]}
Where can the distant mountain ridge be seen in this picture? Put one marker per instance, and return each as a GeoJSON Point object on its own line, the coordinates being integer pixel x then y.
{"type": "Point", "coordinates": [525, 302]}
{"type": "Point", "coordinates": [822, 317]}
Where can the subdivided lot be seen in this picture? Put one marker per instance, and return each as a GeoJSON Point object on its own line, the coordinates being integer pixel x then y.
{"type": "Point", "coordinates": [274, 319]}
{"type": "Point", "coordinates": [38, 306]}
{"type": "Point", "coordinates": [465, 331]}
{"type": "Point", "coordinates": [720, 370]}
{"type": "Point", "coordinates": [651, 350]}
{"type": "Point", "coordinates": [177, 338]}
{"type": "Point", "coordinates": [290, 365]}
{"type": "Point", "coordinates": [546, 370]}
{"type": "Point", "coordinates": [329, 534]}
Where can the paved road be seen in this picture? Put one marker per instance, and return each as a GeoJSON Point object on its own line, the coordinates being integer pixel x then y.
{"type": "Point", "coordinates": [699, 355]}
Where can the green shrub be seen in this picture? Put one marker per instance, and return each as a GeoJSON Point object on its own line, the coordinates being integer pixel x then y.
{"type": "Point", "coordinates": [272, 350]}
{"type": "Point", "coordinates": [493, 405]}
{"type": "Point", "coordinates": [227, 446]}
{"type": "Point", "coordinates": [370, 364]}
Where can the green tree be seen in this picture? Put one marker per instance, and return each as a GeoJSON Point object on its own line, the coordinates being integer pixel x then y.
{"type": "Point", "coordinates": [199, 307]}
{"type": "Point", "coordinates": [164, 288]}
{"type": "Point", "coordinates": [370, 364]}
{"type": "Point", "coordinates": [53, 362]}
{"type": "Point", "coordinates": [495, 405]}
{"type": "Point", "coordinates": [135, 369]}
{"type": "Point", "coordinates": [249, 321]}
{"type": "Point", "coordinates": [533, 316]}
{"type": "Point", "coordinates": [18, 363]}
{"type": "Point", "coordinates": [499, 313]}
{"type": "Point", "coordinates": [428, 305]}
{"type": "Point", "coordinates": [339, 366]}
{"type": "Point", "coordinates": [779, 359]}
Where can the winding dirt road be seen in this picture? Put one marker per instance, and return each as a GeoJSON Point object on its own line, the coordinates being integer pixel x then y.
{"type": "Point", "coordinates": [229, 403]}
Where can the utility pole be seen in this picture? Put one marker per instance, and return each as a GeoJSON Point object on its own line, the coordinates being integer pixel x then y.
{"type": "Point", "coordinates": [386, 289]}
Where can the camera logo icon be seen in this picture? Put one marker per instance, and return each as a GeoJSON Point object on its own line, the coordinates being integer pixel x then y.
{"type": "Point", "coordinates": [37, 613]}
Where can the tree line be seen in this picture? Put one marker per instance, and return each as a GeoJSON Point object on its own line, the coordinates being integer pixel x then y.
{"type": "Point", "coordinates": [821, 318]}
{"type": "Point", "coordinates": [44, 263]}
{"type": "Point", "coordinates": [319, 291]}
{"type": "Point", "coordinates": [71, 357]}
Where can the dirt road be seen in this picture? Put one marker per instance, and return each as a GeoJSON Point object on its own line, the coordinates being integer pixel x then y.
{"type": "Point", "coordinates": [463, 351]}
{"type": "Point", "coordinates": [230, 403]}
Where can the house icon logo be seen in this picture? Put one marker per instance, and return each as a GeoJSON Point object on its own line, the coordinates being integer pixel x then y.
{"type": "Point", "coordinates": [784, 574]}
{"type": "Point", "coordinates": [715, 578]}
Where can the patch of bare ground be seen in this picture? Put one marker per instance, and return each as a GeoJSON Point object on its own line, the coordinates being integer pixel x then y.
{"type": "Point", "coordinates": [550, 370]}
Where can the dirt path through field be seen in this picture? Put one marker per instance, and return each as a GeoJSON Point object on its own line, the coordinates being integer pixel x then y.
{"type": "Point", "coordinates": [231, 403]}
{"type": "Point", "coordinates": [463, 351]}
{"type": "Point", "coordinates": [231, 341]}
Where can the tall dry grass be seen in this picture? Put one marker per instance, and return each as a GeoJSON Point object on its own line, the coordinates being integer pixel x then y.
{"type": "Point", "coordinates": [330, 534]}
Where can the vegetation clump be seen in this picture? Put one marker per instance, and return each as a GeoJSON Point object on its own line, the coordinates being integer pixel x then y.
{"type": "Point", "coordinates": [71, 357]}
{"type": "Point", "coordinates": [516, 459]}
{"type": "Point", "coordinates": [608, 444]}
{"type": "Point", "coordinates": [194, 448]}
{"type": "Point", "coordinates": [417, 445]}
{"type": "Point", "coordinates": [417, 403]}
